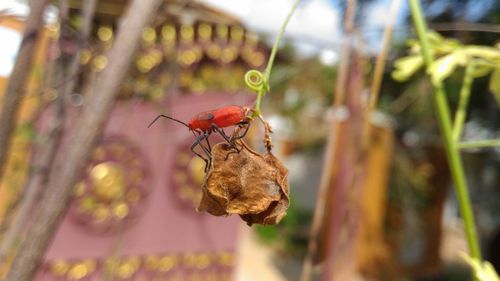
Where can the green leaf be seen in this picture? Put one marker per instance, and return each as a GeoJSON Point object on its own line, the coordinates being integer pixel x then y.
{"type": "Point", "coordinates": [435, 38]}
{"type": "Point", "coordinates": [485, 52]}
{"type": "Point", "coordinates": [405, 67]}
{"type": "Point", "coordinates": [443, 67]}
{"type": "Point", "coordinates": [483, 271]}
{"type": "Point", "coordinates": [413, 46]}
{"type": "Point", "coordinates": [495, 84]}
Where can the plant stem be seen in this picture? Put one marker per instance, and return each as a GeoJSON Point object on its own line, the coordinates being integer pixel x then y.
{"type": "Point", "coordinates": [444, 118]}
{"type": "Point", "coordinates": [463, 102]}
{"type": "Point", "coordinates": [278, 39]}
{"type": "Point", "coordinates": [264, 87]}
{"type": "Point", "coordinates": [478, 144]}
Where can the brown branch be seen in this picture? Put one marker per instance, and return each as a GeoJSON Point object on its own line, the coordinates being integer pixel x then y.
{"type": "Point", "coordinates": [326, 176]}
{"type": "Point", "coordinates": [465, 26]}
{"type": "Point", "coordinates": [48, 146]}
{"type": "Point", "coordinates": [18, 78]}
{"type": "Point", "coordinates": [67, 171]}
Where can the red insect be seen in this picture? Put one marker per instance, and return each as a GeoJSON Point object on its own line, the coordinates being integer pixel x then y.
{"type": "Point", "coordinates": [205, 123]}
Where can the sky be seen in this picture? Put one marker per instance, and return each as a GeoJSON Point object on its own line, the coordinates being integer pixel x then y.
{"type": "Point", "coordinates": [315, 20]}
{"type": "Point", "coordinates": [315, 28]}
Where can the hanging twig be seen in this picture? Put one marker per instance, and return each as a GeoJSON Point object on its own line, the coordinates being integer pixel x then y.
{"type": "Point", "coordinates": [48, 146]}
{"type": "Point", "coordinates": [95, 113]}
{"type": "Point", "coordinates": [18, 78]}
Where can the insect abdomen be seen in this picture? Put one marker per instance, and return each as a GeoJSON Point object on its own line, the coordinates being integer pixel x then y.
{"type": "Point", "coordinates": [228, 116]}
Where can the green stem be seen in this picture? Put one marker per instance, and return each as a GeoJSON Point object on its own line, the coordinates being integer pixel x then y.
{"type": "Point", "coordinates": [260, 82]}
{"type": "Point", "coordinates": [452, 152]}
{"type": "Point", "coordinates": [464, 100]}
{"type": "Point", "coordinates": [478, 144]}
{"type": "Point", "coordinates": [278, 39]}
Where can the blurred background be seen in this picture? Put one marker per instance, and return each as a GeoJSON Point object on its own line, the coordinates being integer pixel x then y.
{"type": "Point", "coordinates": [132, 213]}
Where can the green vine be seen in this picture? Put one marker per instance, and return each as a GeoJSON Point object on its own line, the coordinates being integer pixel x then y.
{"type": "Point", "coordinates": [258, 81]}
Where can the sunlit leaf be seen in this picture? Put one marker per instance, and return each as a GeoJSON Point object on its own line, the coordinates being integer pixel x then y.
{"type": "Point", "coordinates": [483, 271]}
{"type": "Point", "coordinates": [405, 67]}
{"type": "Point", "coordinates": [446, 47]}
{"type": "Point", "coordinates": [495, 84]}
{"type": "Point", "coordinates": [487, 53]}
{"type": "Point", "coordinates": [443, 67]}
{"type": "Point", "coordinates": [435, 38]}
{"type": "Point", "coordinates": [413, 46]}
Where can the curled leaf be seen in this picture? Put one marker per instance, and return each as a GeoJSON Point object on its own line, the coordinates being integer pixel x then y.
{"type": "Point", "coordinates": [483, 271]}
{"type": "Point", "coordinates": [246, 183]}
{"type": "Point", "coordinates": [443, 67]}
{"type": "Point", "coordinates": [484, 52]}
{"type": "Point", "coordinates": [405, 67]}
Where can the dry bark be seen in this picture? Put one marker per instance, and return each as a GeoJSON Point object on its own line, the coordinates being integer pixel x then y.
{"type": "Point", "coordinates": [94, 116]}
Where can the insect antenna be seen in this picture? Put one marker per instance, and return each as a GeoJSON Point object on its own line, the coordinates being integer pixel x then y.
{"type": "Point", "coordinates": [168, 117]}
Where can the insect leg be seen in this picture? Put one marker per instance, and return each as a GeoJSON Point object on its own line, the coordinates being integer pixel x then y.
{"type": "Point", "coordinates": [241, 125]}
{"type": "Point", "coordinates": [230, 141]}
{"type": "Point", "coordinates": [199, 139]}
{"type": "Point", "coordinates": [209, 146]}
{"type": "Point", "coordinates": [222, 133]}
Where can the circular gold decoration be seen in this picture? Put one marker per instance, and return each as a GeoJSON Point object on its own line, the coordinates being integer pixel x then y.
{"type": "Point", "coordinates": [78, 271]}
{"type": "Point", "coordinates": [113, 190]}
{"type": "Point", "coordinates": [105, 33]}
{"type": "Point", "coordinates": [59, 267]}
{"type": "Point", "coordinates": [197, 170]}
{"type": "Point", "coordinates": [167, 263]}
{"type": "Point", "coordinates": [167, 266]}
{"type": "Point", "coordinates": [188, 174]}
{"type": "Point", "coordinates": [187, 177]}
{"type": "Point", "coordinates": [108, 180]}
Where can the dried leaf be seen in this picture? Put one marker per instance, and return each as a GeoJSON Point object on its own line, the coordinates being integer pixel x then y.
{"type": "Point", "coordinates": [246, 183]}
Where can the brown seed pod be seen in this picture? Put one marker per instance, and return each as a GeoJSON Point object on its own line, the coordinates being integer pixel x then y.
{"type": "Point", "coordinates": [246, 183]}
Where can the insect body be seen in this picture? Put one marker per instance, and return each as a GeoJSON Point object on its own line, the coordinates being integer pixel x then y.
{"type": "Point", "coordinates": [205, 123]}
{"type": "Point", "coordinates": [219, 118]}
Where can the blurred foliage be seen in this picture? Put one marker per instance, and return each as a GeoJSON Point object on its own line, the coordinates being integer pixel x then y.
{"type": "Point", "coordinates": [304, 89]}
{"type": "Point", "coordinates": [450, 55]}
